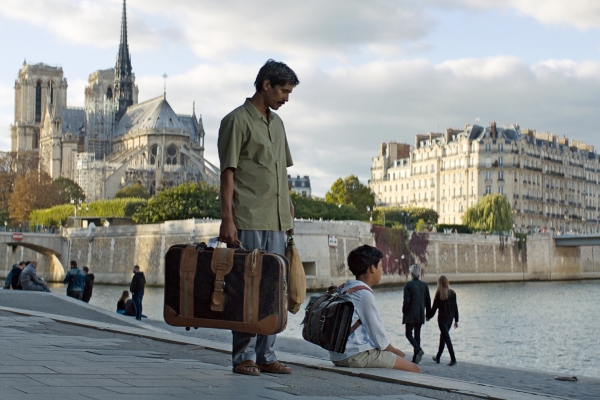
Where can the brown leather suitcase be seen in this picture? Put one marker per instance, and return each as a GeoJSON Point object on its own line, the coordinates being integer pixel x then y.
{"type": "Point", "coordinates": [224, 288]}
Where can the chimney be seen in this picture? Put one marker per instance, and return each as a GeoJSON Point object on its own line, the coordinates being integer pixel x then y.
{"type": "Point", "coordinates": [448, 135]}
{"type": "Point", "coordinates": [494, 132]}
{"type": "Point", "coordinates": [383, 150]}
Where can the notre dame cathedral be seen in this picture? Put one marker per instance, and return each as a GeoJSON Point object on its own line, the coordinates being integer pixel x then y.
{"type": "Point", "coordinates": [113, 141]}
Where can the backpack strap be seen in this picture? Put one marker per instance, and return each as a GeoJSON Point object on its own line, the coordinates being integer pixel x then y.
{"type": "Point", "coordinates": [352, 290]}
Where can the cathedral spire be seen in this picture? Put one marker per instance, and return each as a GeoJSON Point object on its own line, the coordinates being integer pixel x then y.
{"type": "Point", "coordinates": [123, 75]}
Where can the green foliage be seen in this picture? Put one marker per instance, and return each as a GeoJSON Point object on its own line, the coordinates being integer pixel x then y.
{"type": "Point", "coordinates": [188, 200]}
{"type": "Point", "coordinates": [492, 215]}
{"type": "Point", "coordinates": [522, 240]}
{"type": "Point", "coordinates": [415, 214]}
{"type": "Point", "coordinates": [421, 225]}
{"type": "Point", "coordinates": [451, 227]}
{"type": "Point", "coordinates": [58, 215]}
{"type": "Point", "coordinates": [351, 192]}
{"type": "Point", "coordinates": [308, 208]}
{"type": "Point", "coordinates": [136, 190]}
{"type": "Point", "coordinates": [68, 190]}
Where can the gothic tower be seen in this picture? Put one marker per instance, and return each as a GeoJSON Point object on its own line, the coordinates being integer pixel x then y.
{"type": "Point", "coordinates": [124, 79]}
{"type": "Point", "coordinates": [37, 87]}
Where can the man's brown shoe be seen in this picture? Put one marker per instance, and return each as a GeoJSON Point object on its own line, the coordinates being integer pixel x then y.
{"type": "Point", "coordinates": [275, 368]}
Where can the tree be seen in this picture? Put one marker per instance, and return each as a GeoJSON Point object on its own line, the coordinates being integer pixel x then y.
{"type": "Point", "coordinates": [31, 192]}
{"type": "Point", "coordinates": [305, 207]}
{"type": "Point", "coordinates": [400, 248]}
{"type": "Point", "coordinates": [136, 190]}
{"type": "Point", "coordinates": [68, 189]}
{"type": "Point", "coordinates": [351, 192]}
{"type": "Point", "coordinates": [12, 166]}
{"type": "Point", "coordinates": [492, 215]}
{"type": "Point", "coordinates": [188, 200]}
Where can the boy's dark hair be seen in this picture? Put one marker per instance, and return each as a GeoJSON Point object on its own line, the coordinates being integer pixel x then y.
{"type": "Point", "coordinates": [277, 73]}
{"type": "Point", "coordinates": [73, 264]}
{"type": "Point", "coordinates": [361, 258]}
{"type": "Point", "coordinates": [22, 263]}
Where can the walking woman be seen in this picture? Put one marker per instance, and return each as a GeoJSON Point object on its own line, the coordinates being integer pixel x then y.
{"type": "Point", "coordinates": [445, 302]}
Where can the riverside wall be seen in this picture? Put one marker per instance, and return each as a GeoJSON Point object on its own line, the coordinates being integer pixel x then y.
{"type": "Point", "coordinates": [110, 253]}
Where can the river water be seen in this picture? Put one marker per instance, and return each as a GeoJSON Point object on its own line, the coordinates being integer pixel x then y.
{"type": "Point", "coordinates": [550, 326]}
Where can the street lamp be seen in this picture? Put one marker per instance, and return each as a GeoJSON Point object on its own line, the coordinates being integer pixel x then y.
{"type": "Point", "coordinates": [405, 214]}
{"type": "Point", "coordinates": [370, 211]}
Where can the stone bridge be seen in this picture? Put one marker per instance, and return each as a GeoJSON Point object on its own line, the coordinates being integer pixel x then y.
{"type": "Point", "coordinates": [51, 250]}
{"type": "Point", "coordinates": [110, 252]}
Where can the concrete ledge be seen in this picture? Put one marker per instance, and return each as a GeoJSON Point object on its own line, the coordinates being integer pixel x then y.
{"type": "Point", "coordinates": [386, 375]}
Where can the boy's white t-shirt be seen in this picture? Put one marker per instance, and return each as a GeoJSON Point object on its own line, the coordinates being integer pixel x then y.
{"type": "Point", "coordinates": [370, 334]}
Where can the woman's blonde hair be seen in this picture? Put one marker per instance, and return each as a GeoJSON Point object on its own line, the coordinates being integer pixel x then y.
{"type": "Point", "coordinates": [443, 288]}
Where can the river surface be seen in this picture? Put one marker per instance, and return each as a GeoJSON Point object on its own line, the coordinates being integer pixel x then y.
{"type": "Point", "coordinates": [550, 326]}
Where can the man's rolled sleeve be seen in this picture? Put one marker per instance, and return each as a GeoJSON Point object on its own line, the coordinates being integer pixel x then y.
{"type": "Point", "coordinates": [229, 143]}
{"type": "Point", "coordinates": [288, 155]}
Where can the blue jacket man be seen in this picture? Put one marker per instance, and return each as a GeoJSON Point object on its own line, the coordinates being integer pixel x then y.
{"type": "Point", "coordinates": [76, 280]}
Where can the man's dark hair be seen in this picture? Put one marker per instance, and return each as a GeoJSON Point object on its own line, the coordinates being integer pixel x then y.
{"type": "Point", "coordinates": [73, 264]}
{"type": "Point", "coordinates": [277, 73]}
{"type": "Point", "coordinates": [361, 258]}
{"type": "Point", "coordinates": [136, 267]}
{"type": "Point", "coordinates": [86, 269]}
{"type": "Point", "coordinates": [22, 263]}
{"type": "Point", "coordinates": [27, 263]}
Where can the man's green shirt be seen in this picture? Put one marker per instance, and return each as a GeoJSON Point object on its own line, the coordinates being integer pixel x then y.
{"type": "Point", "coordinates": [258, 151]}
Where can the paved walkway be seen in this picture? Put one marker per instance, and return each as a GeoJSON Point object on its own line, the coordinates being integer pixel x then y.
{"type": "Point", "coordinates": [106, 356]}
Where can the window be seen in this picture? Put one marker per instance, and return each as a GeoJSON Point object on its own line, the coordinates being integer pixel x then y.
{"type": "Point", "coordinates": [460, 192]}
{"type": "Point", "coordinates": [38, 102]}
{"type": "Point", "coordinates": [488, 147]}
{"type": "Point", "coordinates": [501, 189]}
{"type": "Point", "coordinates": [488, 175]}
{"type": "Point", "coordinates": [171, 155]}
{"type": "Point", "coordinates": [154, 155]}
{"type": "Point", "coordinates": [500, 175]}
{"type": "Point", "coordinates": [501, 148]}
{"type": "Point", "coordinates": [500, 161]}
{"type": "Point", "coordinates": [488, 190]}
{"type": "Point", "coordinates": [109, 94]}
{"type": "Point", "coordinates": [472, 191]}
{"type": "Point", "coordinates": [472, 176]}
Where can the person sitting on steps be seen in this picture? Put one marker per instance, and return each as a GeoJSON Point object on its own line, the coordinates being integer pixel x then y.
{"type": "Point", "coordinates": [368, 346]}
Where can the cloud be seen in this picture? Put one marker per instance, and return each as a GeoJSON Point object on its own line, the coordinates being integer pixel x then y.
{"type": "Point", "coordinates": [583, 14]}
{"type": "Point", "coordinates": [337, 118]}
{"type": "Point", "coordinates": [95, 23]}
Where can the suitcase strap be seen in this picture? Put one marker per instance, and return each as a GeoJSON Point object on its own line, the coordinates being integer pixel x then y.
{"type": "Point", "coordinates": [221, 265]}
{"type": "Point", "coordinates": [187, 274]}
{"type": "Point", "coordinates": [252, 277]}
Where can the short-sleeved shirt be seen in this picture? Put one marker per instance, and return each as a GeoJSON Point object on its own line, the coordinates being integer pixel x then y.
{"type": "Point", "coordinates": [258, 151]}
{"type": "Point", "coordinates": [370, 334]}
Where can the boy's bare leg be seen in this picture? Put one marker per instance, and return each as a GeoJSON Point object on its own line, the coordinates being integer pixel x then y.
{"type": "Point", "coordinates": [403, 364]}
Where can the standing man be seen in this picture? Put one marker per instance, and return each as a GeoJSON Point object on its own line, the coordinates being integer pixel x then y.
{"type": "Point", "coordinates": [256, 208]}
{"type": "Point", "coordinates": [416, 303]}
{"type": "Point", "coordinates": [138, 283]}
{"type": "Point", "coordinates": [89, 285]}
{"type": "Point", "coordinates": [76, 280]}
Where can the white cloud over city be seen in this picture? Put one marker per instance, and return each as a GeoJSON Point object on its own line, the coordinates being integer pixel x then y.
{"type": "Point", "coordinates": [367, 71]}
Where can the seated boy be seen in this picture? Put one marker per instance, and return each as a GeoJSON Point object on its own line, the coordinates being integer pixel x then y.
{"type": "Point", "coordinates": [368, 346]}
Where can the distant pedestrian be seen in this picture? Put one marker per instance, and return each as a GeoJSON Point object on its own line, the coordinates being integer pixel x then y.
{"type": "Point", "coordinates": [416, 303]}
{"type": "Point", "coordinates": [138, 283]}
{"type": "Point", "coordinates": [15, 274]}
{"type": "Point", "coordinates": [29, 279]}
{"type": "Point", "coordinates": [445, 302]}
{"type": "Point", "coordinates": [121, 302]}
{"type": "Point", "coordinates": [8, 279]}
{"type": "Point", "coordinates": [75, 279]}
{"type": "Point", "coordinates": [89, 285]}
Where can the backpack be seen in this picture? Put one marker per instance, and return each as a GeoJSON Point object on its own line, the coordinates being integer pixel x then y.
{"type": "Point", "coordinates": [328, 318]}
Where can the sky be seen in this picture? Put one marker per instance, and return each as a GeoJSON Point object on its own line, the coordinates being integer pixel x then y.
{"type": "Point", "coordinates": [370, 72]}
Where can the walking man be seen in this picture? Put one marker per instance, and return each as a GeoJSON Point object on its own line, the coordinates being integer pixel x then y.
{"type": "Point", "coordinates": [256, 208]}
{"type": "Point", "coordinates": [416, 302]}
{"type": "Point", "coordinates": [89, 285]}
{"type": "Point", "coordinates": [76, 280]}
{"type": "Point", "coordinates": [138, 282]}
